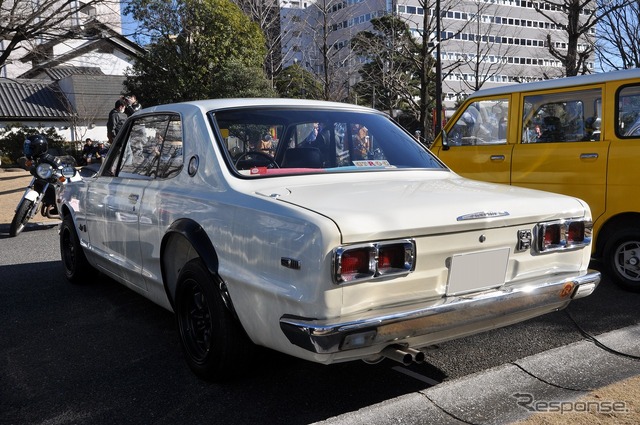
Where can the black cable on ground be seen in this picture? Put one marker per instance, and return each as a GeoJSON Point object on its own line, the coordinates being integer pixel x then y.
{"type": "Point", "coordinates": [581, 390]}
{"type": "Point", "coordinates": [446, 412]}
{"type": "Point", "coordinates": [599, 344]}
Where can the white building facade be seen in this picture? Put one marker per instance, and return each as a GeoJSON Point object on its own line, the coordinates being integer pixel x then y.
{"type": "Point", "coordinates": [485, 43]}
{"type": "Point", "coordinates": [107, 12]}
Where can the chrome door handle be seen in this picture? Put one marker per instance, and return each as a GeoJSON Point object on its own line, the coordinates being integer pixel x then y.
{"type": "Point", "coordinates": [589, 156]}
{"type": "Point", "coordinates": [497, 157]}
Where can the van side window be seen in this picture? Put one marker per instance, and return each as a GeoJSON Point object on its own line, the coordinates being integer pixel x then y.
{"type": "Point", "coordinates": [628, 112]}
{"type": "Point", "coordinates": [562, 117]}
{"type": "Point", "coordinates": [482, 123]}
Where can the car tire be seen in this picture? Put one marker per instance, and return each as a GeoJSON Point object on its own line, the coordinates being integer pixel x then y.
{"type": "Point", "coordinates": [214, 344]}
{"type": "Point", "coordinates": [76, 267]}
{"type": "Point", "coordinates": [622, 258]}
{"type": "Point", "coordinates": [21, 217]}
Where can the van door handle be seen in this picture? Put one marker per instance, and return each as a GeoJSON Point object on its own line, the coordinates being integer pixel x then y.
{"type": "Point", "coordinates": [589, 156]}
{"type": "Point", "coordinates": [497, 157]}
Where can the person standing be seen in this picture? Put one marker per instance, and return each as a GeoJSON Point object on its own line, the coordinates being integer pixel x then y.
{"type": "Point", "coordinates": [117, 117]}
{"type": "Point", "coordinates": [132, 105]}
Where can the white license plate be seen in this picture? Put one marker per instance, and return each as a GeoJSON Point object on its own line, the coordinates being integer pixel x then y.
{"type": "Point", "coordinates": [476, 271]}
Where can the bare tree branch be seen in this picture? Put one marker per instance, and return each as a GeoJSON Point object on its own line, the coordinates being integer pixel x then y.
{"type": "Point", "coordinates": [25, 24]}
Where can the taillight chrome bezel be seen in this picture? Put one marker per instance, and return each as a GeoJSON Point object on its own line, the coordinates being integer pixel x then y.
{"type": "Point", "coordinates": [372, 254]}
{"type": "Point", "coordinates": [562, 235]}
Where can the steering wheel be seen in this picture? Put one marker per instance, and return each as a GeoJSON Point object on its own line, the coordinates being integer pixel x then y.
{"type": "Point", "coordinates": [271, 162]}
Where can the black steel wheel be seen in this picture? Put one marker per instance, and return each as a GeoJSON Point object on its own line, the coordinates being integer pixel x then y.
{"type": "Point", "coordinates": [21, 217]}
{"type": "Point", "coordinates": [214, 344]}
{"type": "Point", "coordinates": [76, 267]}
{"type": "Point", "coordinates": [622, 258]}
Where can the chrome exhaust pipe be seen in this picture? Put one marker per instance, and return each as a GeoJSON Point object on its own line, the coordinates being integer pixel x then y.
{"type": "Point", "coordinates": [418, 356]}
{"type": "Point", "coordinates": [403, 355]}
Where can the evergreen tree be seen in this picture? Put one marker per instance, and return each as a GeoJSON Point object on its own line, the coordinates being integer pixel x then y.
{"type": "Point", "coordinates": [199, 49]}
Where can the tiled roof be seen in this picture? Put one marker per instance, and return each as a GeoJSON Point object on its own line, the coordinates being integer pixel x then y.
{"type": "Point", "coordinates": [93, 96]}
{"type": "Point", "coordinates": [60, 72]}
{"type": "Point", "coordinates": [88, 96]}
{"type": "Point", "coordinates": [31, 100]}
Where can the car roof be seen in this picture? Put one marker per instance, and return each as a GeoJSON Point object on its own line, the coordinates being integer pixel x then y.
{"type": "Point", "coordinates": [580, 80]}
{"type": "Point", "coordinates": [216, 104]}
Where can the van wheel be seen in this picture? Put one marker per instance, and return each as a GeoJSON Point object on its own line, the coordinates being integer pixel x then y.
{"type": "Point", "coordinates": [214, 344]}
{"type": "Point", "coordinates": [622, 258]}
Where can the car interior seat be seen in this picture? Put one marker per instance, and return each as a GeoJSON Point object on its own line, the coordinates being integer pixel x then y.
{"type": "Point", "coordinates": [302, 158]}
{"type": "Point", "coordinates": [552, 131]}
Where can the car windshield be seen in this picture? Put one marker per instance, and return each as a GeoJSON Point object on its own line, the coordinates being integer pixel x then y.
{"type": "Point", "coordinates": [275, 141]}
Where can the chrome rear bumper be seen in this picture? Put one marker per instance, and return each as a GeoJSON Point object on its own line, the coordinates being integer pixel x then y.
{"type": "Point", "coordinates": [444, 319]}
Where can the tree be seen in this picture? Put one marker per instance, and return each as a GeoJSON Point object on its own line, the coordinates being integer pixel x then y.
{"type": "Point", "coordinates": [618, 45]}
{"type": "Point", "coordinates": [488, 59]}
{"type": "Point", "coordinates": [331, 57]}
{"type": "Point", "coordinates": [297, 83]}
{"type": "Point", "coordinates": [578, 19]}
{"type": "Point", "coordinates": [266, 13]}
{"type": "Point", "coordinates": [24, 24]}
{"type": "Point", "coordinates": [389, 78]}
{"type": "Point", "coordinates": [194, 45]}
{"type": "Point", "coordinates": [13, 135]}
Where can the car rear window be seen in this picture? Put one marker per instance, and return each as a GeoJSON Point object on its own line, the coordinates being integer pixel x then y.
{"type": "Point", "coordinates": [259, 141]}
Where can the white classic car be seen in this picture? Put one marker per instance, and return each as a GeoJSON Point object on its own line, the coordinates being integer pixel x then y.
{"type": "Point", "coordinates": [339, 237]}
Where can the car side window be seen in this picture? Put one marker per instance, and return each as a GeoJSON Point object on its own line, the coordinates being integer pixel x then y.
{"type": "Point", "coordinates": [628, 113]}
{"type": "Point", "coordinates": [152, 148]}
{"type": "Point", "coordinates": [562, 117]}
{"type": "Point", "coordinates": [484, 122]}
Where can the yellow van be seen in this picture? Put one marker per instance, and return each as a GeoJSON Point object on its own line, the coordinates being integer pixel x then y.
{"type": "Point", "coordinates": [579, 136]}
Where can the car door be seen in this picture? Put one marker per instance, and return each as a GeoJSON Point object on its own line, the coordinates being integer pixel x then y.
{"type": "Point", "coordinates": [116, 196]}
{"type": "Point", "coordinates": [561, 149]}
{"type": "Point", "coordinates": [478, 146]}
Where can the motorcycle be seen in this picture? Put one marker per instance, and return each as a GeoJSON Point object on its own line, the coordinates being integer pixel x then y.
{"type": "Point", "coordinates": [49, 174]}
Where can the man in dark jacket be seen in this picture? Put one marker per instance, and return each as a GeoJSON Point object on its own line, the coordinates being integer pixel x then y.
{"type": "Point", "coordinates": [132, 104]}
{"type": "Point", "coordinates": [117, 117]}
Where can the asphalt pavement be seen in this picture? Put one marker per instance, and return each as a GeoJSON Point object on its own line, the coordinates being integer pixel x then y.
{"type": "Point", "coordinates": [548, 382]}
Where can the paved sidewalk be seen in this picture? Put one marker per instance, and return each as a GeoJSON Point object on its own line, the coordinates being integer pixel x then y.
{"type": "Point", "coordinates": [558, 386]}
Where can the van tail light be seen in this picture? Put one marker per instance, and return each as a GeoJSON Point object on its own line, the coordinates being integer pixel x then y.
{"type": "Point", "coordinates": [363, 262]}
{"type": "Point", "coordinates": [563, 235]}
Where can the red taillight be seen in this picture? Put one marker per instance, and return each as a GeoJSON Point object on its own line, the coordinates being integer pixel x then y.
{"type": "Point", "coordinates": [575, 233]}
{"type": "Point", "coordinates": [368, 261]}
{"type": "Point", "coordinates": [563, 235]}
{"type": "Point", "coordinates": [355, 261]}
{"type": "Point", "coordinates": [391, 257]}
{"type": "Point", "coordinates": [552, 235]}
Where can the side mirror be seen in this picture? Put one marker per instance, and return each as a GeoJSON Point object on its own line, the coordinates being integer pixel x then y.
{"type": "Point", "coordinates": [445, 140]}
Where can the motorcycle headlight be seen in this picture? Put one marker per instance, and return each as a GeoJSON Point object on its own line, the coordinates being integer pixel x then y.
{"type": "Point", "coordinates": [68, 171]}
{"type": "Point", "coordinates": [44, 171]}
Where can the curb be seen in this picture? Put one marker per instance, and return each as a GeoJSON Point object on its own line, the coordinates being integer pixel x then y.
{"type": "Point", "coordinates": [511, 392]}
